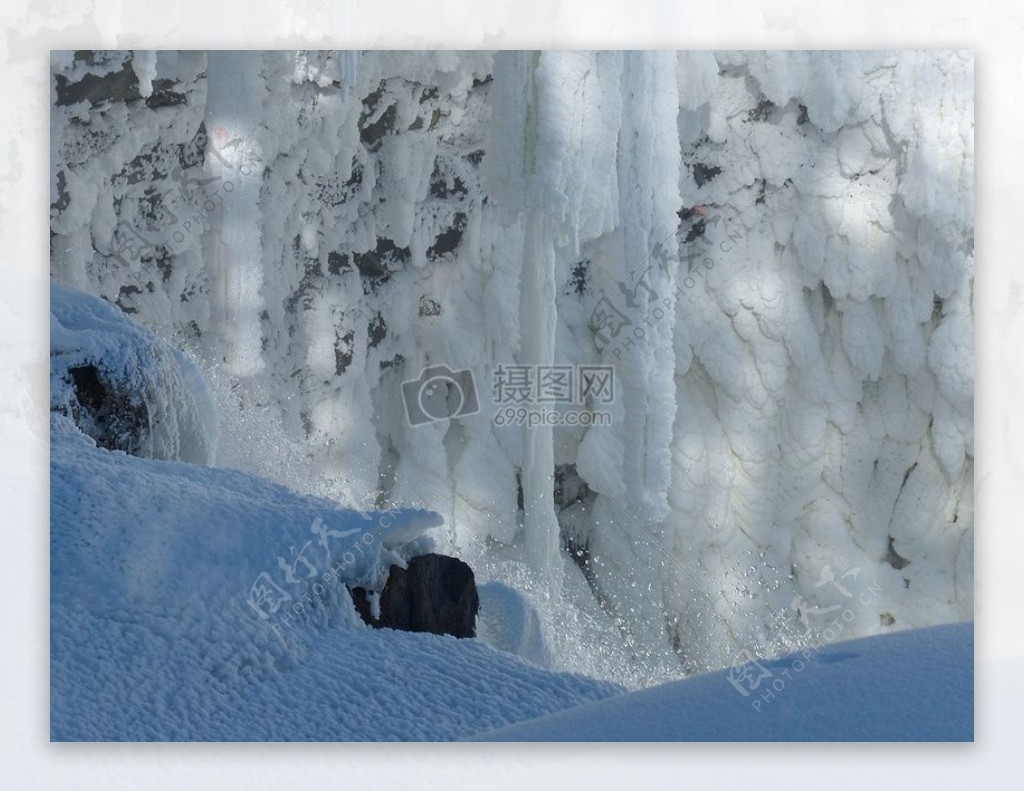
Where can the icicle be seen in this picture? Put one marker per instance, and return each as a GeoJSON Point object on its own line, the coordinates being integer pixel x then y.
{"type": "Point", "coordinates": [144, 64]}
{"type": "Point", "coordinates": [348, 69]}
{"type": "Point", "coordinates": [523, 191]}
{"type": "Point", "coordinates": [537, 308]}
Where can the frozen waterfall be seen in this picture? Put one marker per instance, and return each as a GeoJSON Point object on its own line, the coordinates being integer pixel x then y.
{"type": "Point", "coordinates": [770, 255]}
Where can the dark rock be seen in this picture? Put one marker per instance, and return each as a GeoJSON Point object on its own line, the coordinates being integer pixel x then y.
{"type": "Point", "coordinates": [63, 196]}
{"type": "Point", "coordinates": [580, 276]}
{"type": "Point", "coordinates": [356, 178]}
{"type": "Point", "coordinates": [376, 331]}
{"type": "Point", "coordinates": [164, 95]}
{"type": "Point", "coordinates": [429, 306]}
{"type": "Point", "coordinates": [337, 263]}
{"type": "Point", "coordinates": [89, 389]}
{"type": "Point", "coordinates": [892, 558]}
{"type": "Point", "coordinates": [117, 86]}
{"type": "Point", "coordinates": [371, 265]}
{"type": "Point", "coordinates": [574, 500]}
{"type": "Point", "coordinates": [702, 173]}
{"type": "Point", "coordinates": [343, 351]}
{"type": "Point", "coordinates": [449, 240]}
{"type": "Point", "coordinates": [376, 266]}
{"type": "Point", "coordinates": [435, 594]}
{"type": "Point", "coordinates": [441, 186]}
{"type": "Point", "coordinates": [372, 133]}
{"type": "Point", "coordinates": [124, 298]}
{"type": "Point", "coordinates": [697, 231]}
{"type": "Point", "coordinates": [394, 362]}
{"type": "Point", "coordinates": [762, 112]}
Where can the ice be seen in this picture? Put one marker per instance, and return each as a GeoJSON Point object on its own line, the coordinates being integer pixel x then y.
{"type": "Point", "coordinates": [234, 108]}
{"type": "Point", "coordinates": [144, 64]}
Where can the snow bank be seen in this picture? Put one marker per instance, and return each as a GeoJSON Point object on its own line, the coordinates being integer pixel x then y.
{"type": "Point", "coordinates": [195, 603]}
{"type": "Point", "coordinates": [913, 686]}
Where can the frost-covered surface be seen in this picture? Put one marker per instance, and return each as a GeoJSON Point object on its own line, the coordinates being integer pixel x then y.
{"type": "Point", "coordinates": [788, 234]}
{"type": "Point", "coordinates": [153, 637]}
{"type": "Point", "coordinates": [915, 685]}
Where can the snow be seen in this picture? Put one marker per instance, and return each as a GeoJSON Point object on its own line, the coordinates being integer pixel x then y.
{"type": "Point", "coordinates": [798, 395]}
{"type": "Point", "coordinates": [912, 686]}
{"type": "Point", "coordinates": [153, 637]}
{"type": "Point", "coordinates": [508, 621]}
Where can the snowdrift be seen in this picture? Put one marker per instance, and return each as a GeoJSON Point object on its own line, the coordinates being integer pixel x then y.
{"type": "Point", "coordinates": [916, 685]}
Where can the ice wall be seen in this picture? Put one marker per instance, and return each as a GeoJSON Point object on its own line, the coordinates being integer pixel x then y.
{"type": "Point", "coordinates": [774, 251]}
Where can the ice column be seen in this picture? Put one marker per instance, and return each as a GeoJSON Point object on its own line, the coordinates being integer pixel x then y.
{"type": "Point", "coordinates": [234, 112]}
{"type": "Point", "coordinates": [518, 189]}
{"type": "Point", "coordinates": [537, 311]}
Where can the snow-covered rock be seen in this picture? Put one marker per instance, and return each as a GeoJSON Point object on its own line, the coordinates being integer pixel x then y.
{"type": "Point", "coordinates": [123, 386]}
{"type": "Point", "coordinates": [508, 621]}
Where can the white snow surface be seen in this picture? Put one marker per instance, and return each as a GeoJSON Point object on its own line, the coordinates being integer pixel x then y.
{"type": "Point", "coordinates": [794, 374]}
{"type": "Point", "coordinates": [153, 637]}
{"type": "Point", "coordinates": [910, 686]}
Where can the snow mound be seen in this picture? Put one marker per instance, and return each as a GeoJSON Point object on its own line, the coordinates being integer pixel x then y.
{"type": "Point", "coordinates": [916, 685]}
{"type": "Point", "coordinates": [508, 621]}
{"type": "Point", "coordinates": [173, 617]}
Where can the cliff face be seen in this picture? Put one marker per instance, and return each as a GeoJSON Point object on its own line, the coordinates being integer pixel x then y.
{"type": "Point", "coordinates": [774, 252]}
